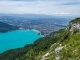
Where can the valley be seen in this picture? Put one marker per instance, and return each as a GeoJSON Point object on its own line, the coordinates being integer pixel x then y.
{"type": "Point", "coordinates": [44, 23]}
{"type": "Point", "coordinates": [39, 29]}
{"type": "Point", "coordinates": [60, 45]}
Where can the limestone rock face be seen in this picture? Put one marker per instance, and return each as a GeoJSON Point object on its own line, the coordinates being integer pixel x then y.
{"type": "Point", "coordinates": [74, 25]}
{"type": "Point", "coordinates": [58, 49]}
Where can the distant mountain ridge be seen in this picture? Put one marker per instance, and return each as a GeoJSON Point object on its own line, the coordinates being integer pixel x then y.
{"type": "Point", "coordinates": [35, 15]}
{"type": "Point", "coordinates": [30, 16]}
{"type": "Point", "coordinates": [6, 27]}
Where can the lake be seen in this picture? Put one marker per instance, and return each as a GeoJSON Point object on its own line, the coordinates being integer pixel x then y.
{"type": "Point", "coordinates": [18, 38]}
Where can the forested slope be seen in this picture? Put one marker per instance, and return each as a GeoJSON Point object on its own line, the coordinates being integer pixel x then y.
{"type": "Point", "coordinates": [6, 27]}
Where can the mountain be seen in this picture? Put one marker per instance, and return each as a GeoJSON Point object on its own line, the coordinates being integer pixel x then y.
{"type": "Point", "coordinates": [6, 27]}
{"type": "Point", "coordinates": [60, 45]}
{"type": "Point", "coordinates": [28, 16]}
{"type": "Point", "coordinates": [36, 16]}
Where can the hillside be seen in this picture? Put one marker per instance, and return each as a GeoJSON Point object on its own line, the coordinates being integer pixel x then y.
{"type": "Point", "coordinates": [60, 45]}
{"type": "Point", "coordinates": [6, 27]}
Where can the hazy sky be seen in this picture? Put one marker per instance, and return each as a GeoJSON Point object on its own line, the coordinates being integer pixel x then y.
{"type": "Point", "coordinates": [49, 7]}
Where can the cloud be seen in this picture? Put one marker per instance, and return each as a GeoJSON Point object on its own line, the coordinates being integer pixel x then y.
{"type": "Point", "coordinates": [17, 0]}
{"type": "Point", "coordinates": [61, 13]}
{"type": "Point", "coordinates": [72, 3]}
{"type": "Point", "coordinates": [49, 7]}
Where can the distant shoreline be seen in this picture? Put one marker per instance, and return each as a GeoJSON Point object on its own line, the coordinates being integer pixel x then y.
{"type": "Point", "coordinates": [36, 30]}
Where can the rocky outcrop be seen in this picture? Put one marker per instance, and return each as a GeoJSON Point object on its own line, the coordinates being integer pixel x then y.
{"type": "Point", "coordinates": [74, 25]}
{"type": "Point", "coordinates": [58, 49]}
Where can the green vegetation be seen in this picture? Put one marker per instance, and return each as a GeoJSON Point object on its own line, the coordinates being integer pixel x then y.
{"type": "Point", "coordinates": [37, 50]}
{"type": "Point", "coordinates": [5, 27]}
{"type": "Point", "coordinates": [75, 20]}
{"type": "Point", "coordinates": [71, 48]}
{"type": "Point", "coordinates": [31, 51]}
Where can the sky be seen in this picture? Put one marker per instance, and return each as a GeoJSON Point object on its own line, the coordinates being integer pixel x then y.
{"type": "Point", "coordinates": [48, 7]}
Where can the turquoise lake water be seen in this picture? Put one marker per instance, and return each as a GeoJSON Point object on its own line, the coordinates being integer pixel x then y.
{"type": "Point", "coordinates": [16, 39]}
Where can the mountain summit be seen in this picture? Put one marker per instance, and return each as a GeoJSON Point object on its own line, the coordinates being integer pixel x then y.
{"type": "Point", "coordinates": [60, 45]}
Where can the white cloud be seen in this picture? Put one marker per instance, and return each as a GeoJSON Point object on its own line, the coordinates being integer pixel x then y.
{"type": "Point", "coordinates": [56, 7]}
{"type": "Point", "coordinates": [61, 13]}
